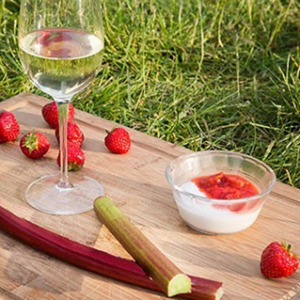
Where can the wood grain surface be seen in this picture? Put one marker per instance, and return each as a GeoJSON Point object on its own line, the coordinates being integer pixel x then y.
{"type": "Point", "coordinates": [137, 183]}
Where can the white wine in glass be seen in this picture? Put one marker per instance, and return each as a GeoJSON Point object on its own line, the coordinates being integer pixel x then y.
{"type": "Point", "coordinates": [61, 45]}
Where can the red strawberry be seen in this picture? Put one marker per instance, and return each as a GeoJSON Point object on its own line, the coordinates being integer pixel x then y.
{"type": "Point", "coordinates": [75, 135]}
{"type": "Point", "coordinates": [50, 113]}
{"type": "Point", "coordinates": [9, 127]}
{"type": "Point", "coordinates": [118, 141]}
{"type": "Point", "coordinates": [76, 157]}
{"type": "Point", "coordinates": [277, 261]}
{"type": "Point", "coordinates": [34, 145]}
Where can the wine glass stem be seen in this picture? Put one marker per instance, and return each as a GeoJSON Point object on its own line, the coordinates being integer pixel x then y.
{"type": "Point", "coordinates": [63, 109]}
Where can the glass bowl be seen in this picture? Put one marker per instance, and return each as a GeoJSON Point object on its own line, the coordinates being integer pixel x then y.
{"type": "Point", "coordinates": [218, 216]}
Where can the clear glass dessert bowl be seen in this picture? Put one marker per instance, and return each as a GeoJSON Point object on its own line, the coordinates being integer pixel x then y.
{"type": "Point", "coordinates": [209, 215]}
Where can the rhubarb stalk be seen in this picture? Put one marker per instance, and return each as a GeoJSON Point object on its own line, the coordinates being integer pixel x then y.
{"type": "Point", "coordinates": [95, 260]}
{"type": "Point", "coordinates": [155, 264]}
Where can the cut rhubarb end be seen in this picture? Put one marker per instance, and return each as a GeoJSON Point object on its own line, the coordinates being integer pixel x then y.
{"type": "Point", "coordinates": [179, 284]}
{"type": "Point", "coordinates": [219, 293]}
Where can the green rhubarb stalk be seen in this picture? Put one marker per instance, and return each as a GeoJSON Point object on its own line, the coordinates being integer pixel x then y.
{"type": "Point", "coordinates": [155, 264]}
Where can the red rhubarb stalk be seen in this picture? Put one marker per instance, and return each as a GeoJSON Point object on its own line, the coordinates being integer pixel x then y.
{"type": "Point", "coordinates": [95, 260]}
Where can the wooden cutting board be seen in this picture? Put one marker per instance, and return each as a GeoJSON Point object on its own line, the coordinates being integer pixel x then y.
{"type": "Point", "coordinates": [137, 183]}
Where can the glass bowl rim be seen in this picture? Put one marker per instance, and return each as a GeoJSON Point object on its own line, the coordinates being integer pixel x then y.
{"type": "Point", "coordinates": [219, 201]}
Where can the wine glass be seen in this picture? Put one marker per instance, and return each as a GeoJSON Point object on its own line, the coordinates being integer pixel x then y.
{"type": "Point", "coordinates": [61, 44]}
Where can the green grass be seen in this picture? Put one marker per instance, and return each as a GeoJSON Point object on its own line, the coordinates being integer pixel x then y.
{"type": "Point", "coordinates": [201, 74]}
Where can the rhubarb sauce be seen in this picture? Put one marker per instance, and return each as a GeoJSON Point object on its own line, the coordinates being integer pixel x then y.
{"type": "Point", "coordinates": [225, 186]}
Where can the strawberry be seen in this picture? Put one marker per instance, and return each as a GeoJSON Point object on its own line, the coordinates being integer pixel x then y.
{"type": "Point", "coordinates": [9, 127]}
{"type": "Point", "coordinates": [34, 145]}
{"type": "Point", "coordinates": [277, 261]}
{"type": "Point", "coordinates": [74, 135]}
{"type": "Point", "coordinates": [76, 157]}
{"type": "Point", "coordinates": [118, 141]}
{"type": "Point", "coordinates": [50, 114]}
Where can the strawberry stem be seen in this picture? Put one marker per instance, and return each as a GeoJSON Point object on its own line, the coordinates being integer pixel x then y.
{"type": "Point", "coordinates": [31, 142]}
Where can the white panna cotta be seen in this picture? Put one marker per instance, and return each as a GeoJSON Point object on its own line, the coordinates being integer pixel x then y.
{"type": "Point", "coordinates": [209, 218]}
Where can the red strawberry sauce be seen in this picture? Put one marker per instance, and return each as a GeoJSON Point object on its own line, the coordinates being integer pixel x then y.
{"type": "Point", "coordinates": [225, 186]}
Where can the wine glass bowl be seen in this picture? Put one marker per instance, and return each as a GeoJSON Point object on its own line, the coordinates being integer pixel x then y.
{"type": "Point", "coordinates": [61, 62]}
{"type": "Point", "coordinates": [61, 47]}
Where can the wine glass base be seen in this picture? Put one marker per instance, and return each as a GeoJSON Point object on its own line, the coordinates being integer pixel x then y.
{"type": "Point", "coordinates": [45, 195]}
